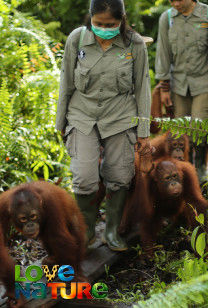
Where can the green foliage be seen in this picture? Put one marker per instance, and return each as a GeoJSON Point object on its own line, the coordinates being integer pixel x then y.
{"type": "Point", "coordinates": [29, 75]}
{"type": "Point", "coordinates": [6, 111]}
{"type": "Point", "coordinates": [157, 287]}
{"type": "Point", "coordinates": [12, 147]}
{"type": "Point", "coordinates": [196, 128]}
{"type": "Point", "coordinates": [180, 295]}
{"type": "Point", "coordinates": [59, 17]}
{"type": "Point", "coordinates": [199, 239]}
{"type": "Point", "coordinates": [192, 267]}
{"type": "Point", "coordinates": [127, 296]}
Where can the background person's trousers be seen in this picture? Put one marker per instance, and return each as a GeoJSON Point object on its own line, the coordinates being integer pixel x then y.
{"type": "Point", "coordinates": [194, 106]}
{"type": "Point", "coordinates": [117, 167]}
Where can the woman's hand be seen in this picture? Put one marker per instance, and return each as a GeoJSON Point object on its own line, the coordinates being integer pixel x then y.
{"type": "Point", "coordinates": [165, 93]}
{"type": "Point", "coordinates": [143, 145]}
{"type": "Point", "coordinates": [145, 151]}
{"type": "Point", "coordinates": [165, 98]}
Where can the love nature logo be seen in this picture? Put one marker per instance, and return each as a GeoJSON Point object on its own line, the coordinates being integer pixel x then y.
{"type": "Point", "coordinates": [38, 290]}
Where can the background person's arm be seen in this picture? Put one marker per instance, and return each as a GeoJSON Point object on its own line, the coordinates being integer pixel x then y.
{"type": "Point", "coordinates": [163, 58]}
{"type": "Point", "coordinates": [163, 52]}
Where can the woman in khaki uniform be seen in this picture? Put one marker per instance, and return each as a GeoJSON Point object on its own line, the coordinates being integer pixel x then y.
{"type": "Point", "coordinates": [104, 85]}
{"type": "Point", "coordinates": [182, 62]}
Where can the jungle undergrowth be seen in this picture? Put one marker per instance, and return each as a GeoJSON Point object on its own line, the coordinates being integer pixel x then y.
{"type": "Point", "coordinates": [134, 278]}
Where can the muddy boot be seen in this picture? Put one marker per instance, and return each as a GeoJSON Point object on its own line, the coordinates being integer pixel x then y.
{"type": "Point", "coordinates": [89, 210]}
{"type": "Point", "coordinates": [115, 201]}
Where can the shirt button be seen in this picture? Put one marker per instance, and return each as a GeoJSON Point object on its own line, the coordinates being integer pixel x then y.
{"type": "Point", "coordinates": [123, 74]}
{"type": "Point", "coordinates": [101, 90]}
{"type": "Point", "coordinates": [99, 105]}
{"type": "Point", "coordinates": [103, 73]}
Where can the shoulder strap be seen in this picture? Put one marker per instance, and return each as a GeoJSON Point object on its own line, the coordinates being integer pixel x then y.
{"type": "Point", "coordinates": [82, 36]}
{"type": "Point", "coordinates": [131, 45]}
{"type": "Point", "coordinates": [169, 17]}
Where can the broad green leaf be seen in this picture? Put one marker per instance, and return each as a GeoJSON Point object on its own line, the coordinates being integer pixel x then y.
{"type": "Point", "coordinates": [193, 237]}
{"type": "Point", "coordinates": [200, 219]}
{"type": "Point", "coordinates": [46, 172]}
{"type": "Point", "coordinates": [201, 244]}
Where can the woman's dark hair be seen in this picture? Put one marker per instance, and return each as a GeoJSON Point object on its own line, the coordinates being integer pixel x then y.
{"type": "Point", "coordinates": [117, 10]}
{"type": "Point", "coordinates": [115, 7]}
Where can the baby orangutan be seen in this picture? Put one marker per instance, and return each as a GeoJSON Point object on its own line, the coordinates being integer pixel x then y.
{"type": "Point", "coordinates": [45, 211]}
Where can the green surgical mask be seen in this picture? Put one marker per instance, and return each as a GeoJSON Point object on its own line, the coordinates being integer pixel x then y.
{"type": "Point", "coordinates": [105, 33]}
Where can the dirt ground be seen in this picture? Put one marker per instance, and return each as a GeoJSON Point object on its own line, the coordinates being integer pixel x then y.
{"type": "Point", "coordinates": [133, 276]}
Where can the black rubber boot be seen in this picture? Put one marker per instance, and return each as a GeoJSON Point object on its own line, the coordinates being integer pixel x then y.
{"type": "Point", "coordinates": [89, 210]}
{"type": "Point", "coordinates": [115, 201]}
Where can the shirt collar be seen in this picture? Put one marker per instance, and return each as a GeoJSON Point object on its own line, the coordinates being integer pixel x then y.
{"type": "Point", "coordinates": [88, 38]}
{"type": "Point", "coordinates": [119, 41]}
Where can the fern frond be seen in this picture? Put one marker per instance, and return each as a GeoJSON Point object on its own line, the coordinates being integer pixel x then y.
{"type": "Point", "coordinates": [196, 128]}
{"type": "Point", "coordinates": [41, 41]}
{"type": "Point", "coordinates": [23, 57]}
{"type": "Point", "coordinates": [6, 110]}
{"type": "Point", "coordinates": [180, 295]}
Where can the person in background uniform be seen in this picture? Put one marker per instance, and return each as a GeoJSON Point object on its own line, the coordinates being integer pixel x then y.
{"type": "Point", "coordinates": [104, 84]}
{"type": "Point", "coordinates": [182, 61]}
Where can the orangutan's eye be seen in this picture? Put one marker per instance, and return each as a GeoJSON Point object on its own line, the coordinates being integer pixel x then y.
{"type": "Point", "coordinates": [33, 216]}
{"type": "Point", "coordinates": [22, 219]}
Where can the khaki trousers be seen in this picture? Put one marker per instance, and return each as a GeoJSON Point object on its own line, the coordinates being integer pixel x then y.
{"type": "Point", "coordinates": [194, 106]}
{"type": "Point", "coordinates": [116, 168]}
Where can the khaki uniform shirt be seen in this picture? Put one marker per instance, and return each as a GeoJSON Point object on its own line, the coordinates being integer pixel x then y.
{"type": "Point", "coordinates": [182, 50]}
{"type": "Point", "coordinates": [107, 88]}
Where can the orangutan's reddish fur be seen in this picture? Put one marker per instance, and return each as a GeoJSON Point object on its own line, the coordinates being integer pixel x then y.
{"type": "Point", "coordinates": [148, 206]}
{"type": "Point", "coordinates": [157, 110]}
{"type": "Point", "coordinates": [163, 145]}
{"type": "Point", "coordinates": [62, 228]}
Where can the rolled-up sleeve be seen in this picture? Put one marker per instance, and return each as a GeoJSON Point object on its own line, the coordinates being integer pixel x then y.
{"type": "Point", "coordinates": [163, 52]}
{"type": "Point", "coordinates": [67, 87]}
{"type": "Point", "coordinates": [142, 88]}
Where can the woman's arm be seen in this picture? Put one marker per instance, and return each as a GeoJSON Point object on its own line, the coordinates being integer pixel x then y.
{"type": "Point", "coordinates": [142, 87]}
{"type": "Point", "coordinates": [163, 53]}
{"type": "Point", "coordinates": [67, 77]}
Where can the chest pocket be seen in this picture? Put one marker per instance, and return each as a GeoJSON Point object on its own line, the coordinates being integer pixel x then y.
{"type": "Point", "coordinates": [124, 78]}
{"type": "Point", "coordinates": [202, 39]}
{"type": "Point", "coordinates": [81, 78]}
